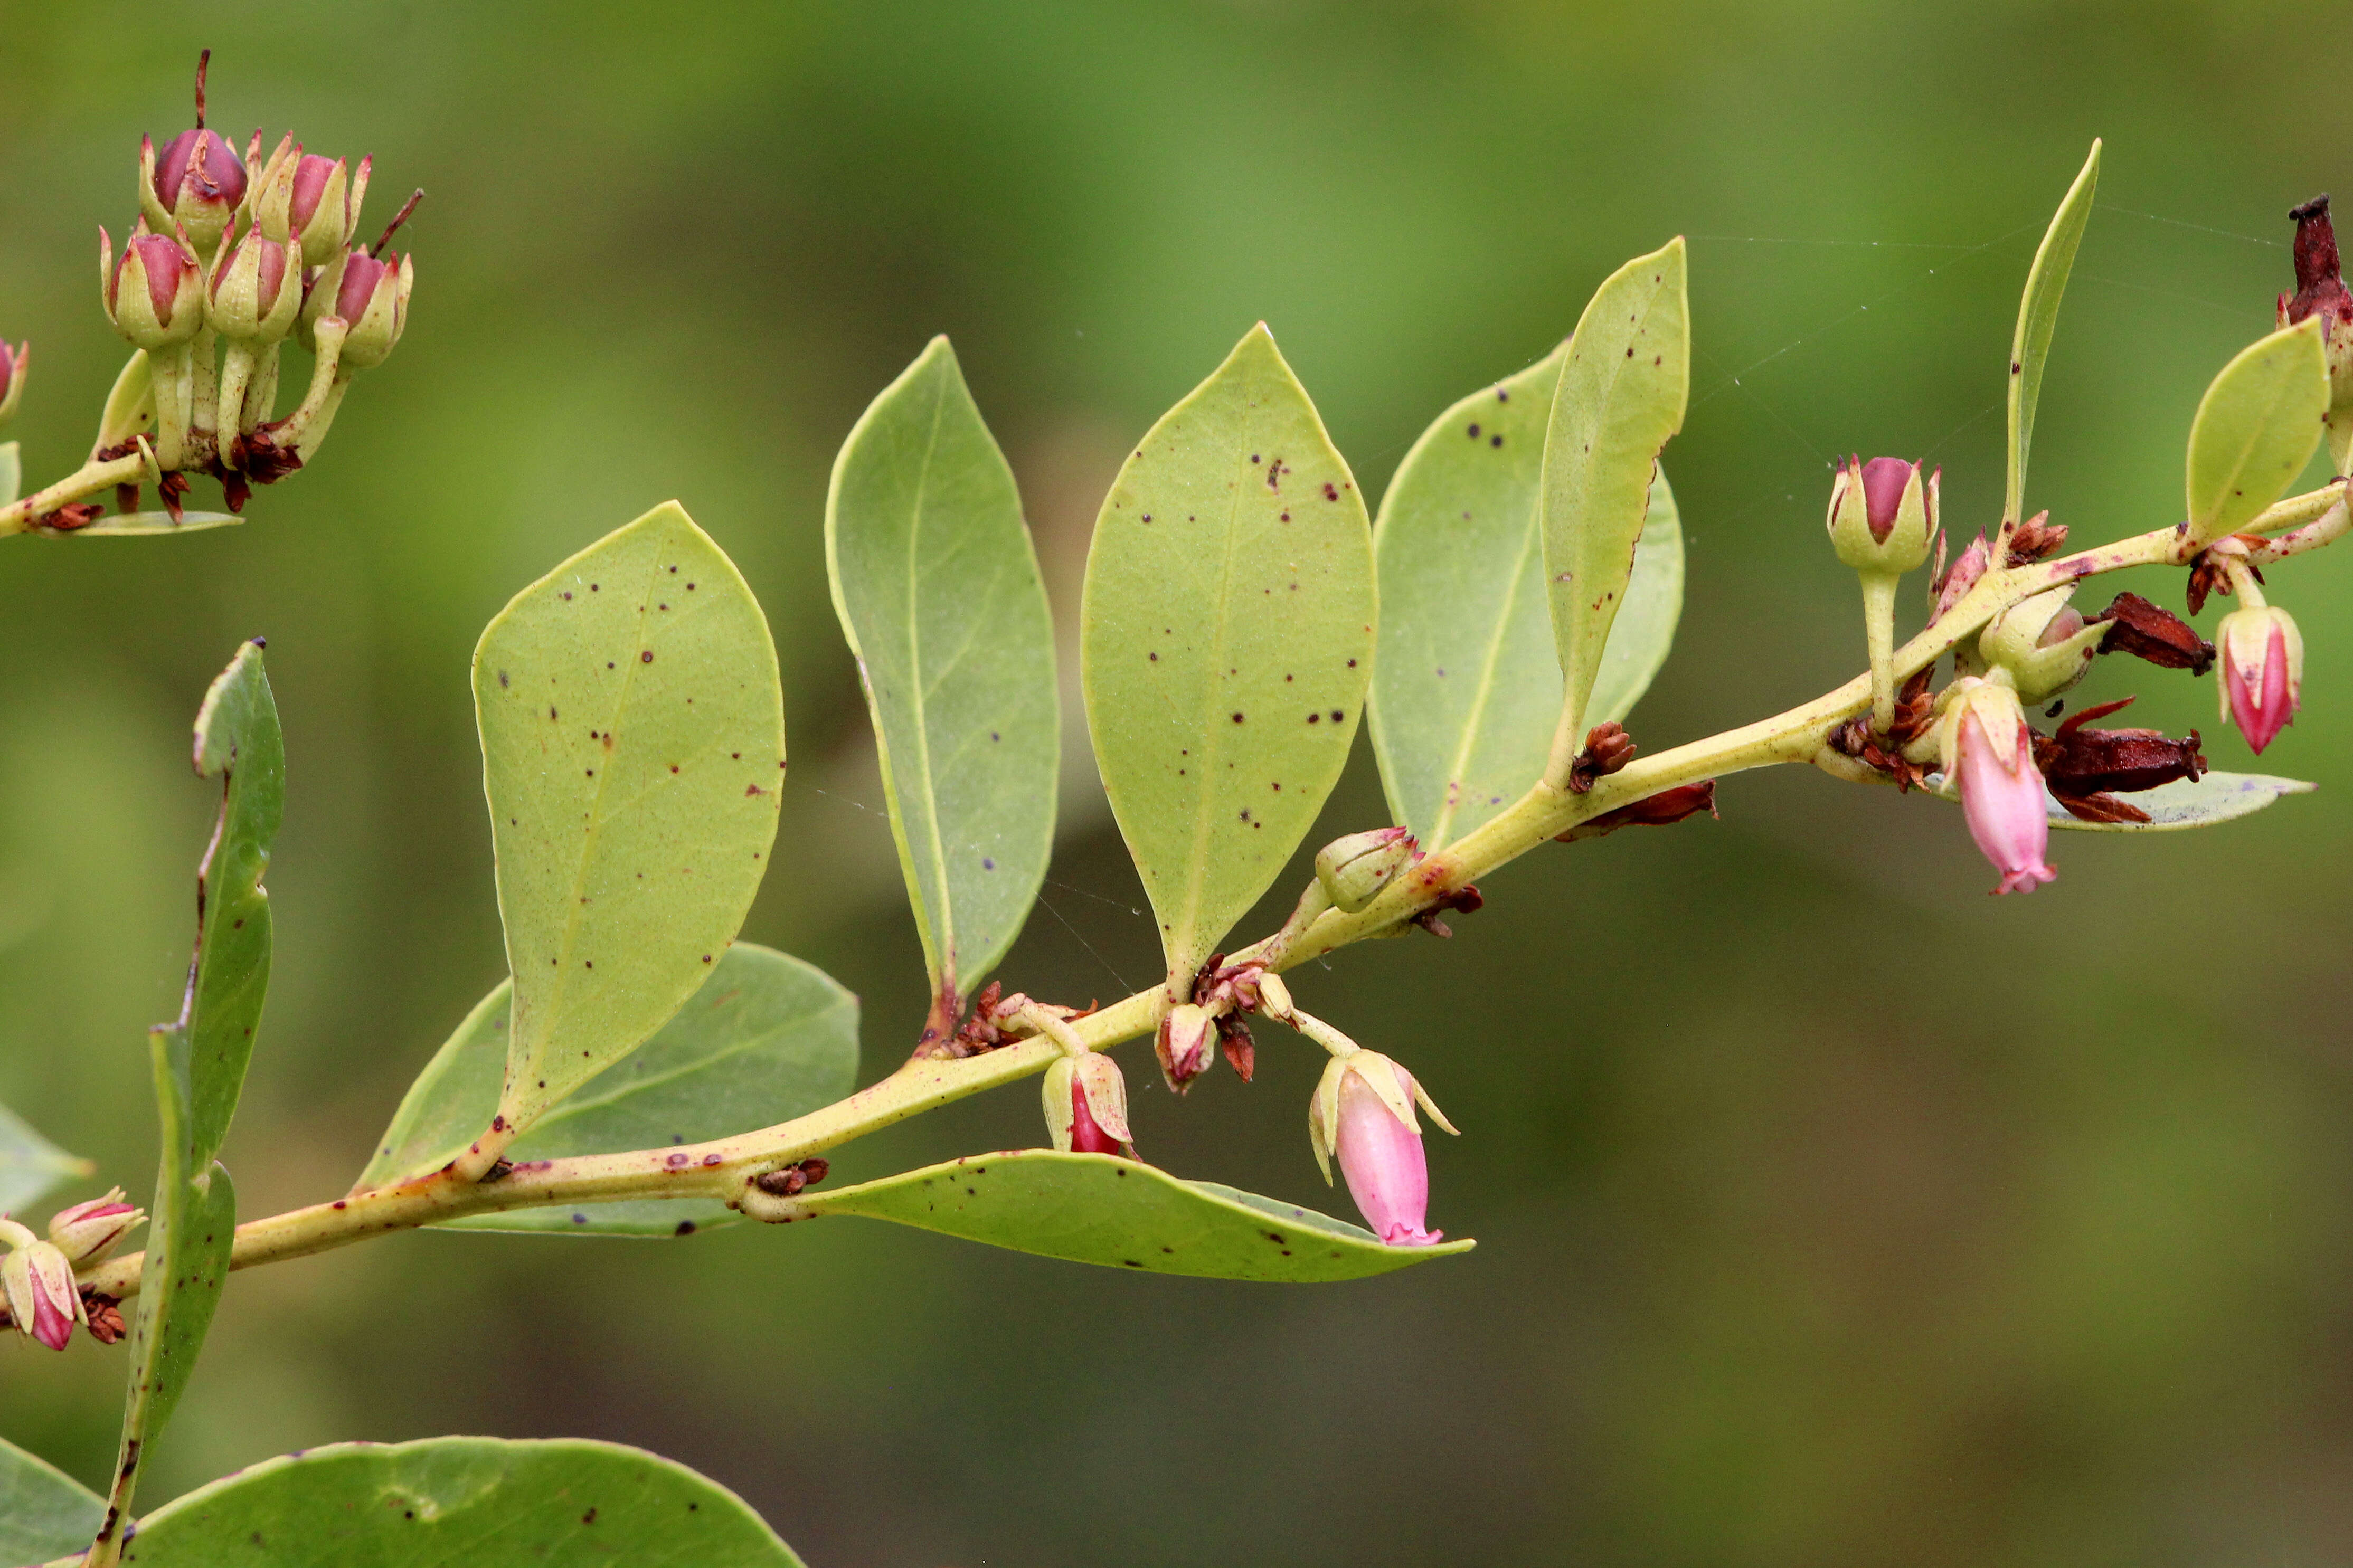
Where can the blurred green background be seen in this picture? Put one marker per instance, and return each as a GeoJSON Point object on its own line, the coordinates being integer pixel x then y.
{"type": "Point", "coordinates": [1831, 1212]}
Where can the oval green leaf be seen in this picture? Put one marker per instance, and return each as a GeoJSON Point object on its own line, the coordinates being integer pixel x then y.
{"type": "Point", "coordinates": [31, 1166]}
{"type": "Point", "coordinates": [2213, 798]}
{"type": "Point", "coordinates": [1227, 639]}
{"type": "Point", "coordinates": [144, 525]}
{"type": "Point", "coordinates": [1467, 684]}
{"type": "Point", "coordinates": [767, 1038]}
{"type": "Point", "coordinates": [552, 1503]}
{"type": "Point", "coordinates": [2038, 318]}
{"type": "Point", "coordinates": [2256, 428]}
{"type": "Point", "coordinates": [1623, 388]}
{"type": "Point", "coordinates": [938, 592]}
{"type": "Point", "coordinates": [1098, 1208]}
{"type": "Point", "coordinates": [43, 1512]}
{"type": "Point", "coordinates": [633, 745]}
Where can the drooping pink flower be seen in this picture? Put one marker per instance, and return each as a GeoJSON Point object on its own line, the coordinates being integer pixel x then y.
{"type": "Point", "coordinates": [2002, 789]}
{"type": "Point", "coordinates": [42, 1297]}
{"type": "Point", "coordinates": [2262, 672]}
{"type": "Point", "coordinates": [1382, 1159]}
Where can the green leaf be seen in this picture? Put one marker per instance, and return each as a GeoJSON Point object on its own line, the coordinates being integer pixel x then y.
{"type": "Point", "coordinates": [1226, 640]}
{"type": "Point", "coordinates": [12, 474]}
{"type": "Point", "coordinates": [1623, 388]}
{"type": "Point", "coordinates": [1467, 686]}
{"type": "Point", "coordinates": [146, 526]}
{"type": "Point", "coordinates": [30, 1165]}
{"type": "Point", "coordinates": [633, 745]}
{"type": "Point", "coordinates": [238, 741]}
{"type": "Point", "coordinates": [199, 1066]}
{"type": "Point", "coordinates": [2256, 430]}
{"type": "Point", "coordinates": [938, 591]}
{"type": "Point", "coordinates": [767, 1038]}
{"type": "Point", "coordinates": [43, 1512]}
{"type": "Point", "coordinates": [2215, 797]}
{"type": "Point", "coordinates": [552, 1503]}
{"type": "Point", "coordinates": [1098, 1208]}
{"type": "Point", "coordinates": [2037, 318]}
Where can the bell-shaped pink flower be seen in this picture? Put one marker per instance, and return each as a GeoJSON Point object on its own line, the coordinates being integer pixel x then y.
{"type": "Point", "coordinates": [1362, 1112]}
{"type": "Point", "coordinates": [42, 1296]}
{"type": "Point", "coordinates": [1382, 1159]}
{"type": "Point", "coordinates": [2262, 672]}
{"type": "Point", "coordinates": [2002, 789]}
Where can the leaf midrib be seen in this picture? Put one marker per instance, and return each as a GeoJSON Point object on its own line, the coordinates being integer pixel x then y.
{"type": "Point", "coordinates": [1531, 540]}
{"type": "Point", "coordinates": [946, 910]}
{"type": "Point", "coordinates": [1188, 921]}
{"type": "Point", "coordinates": [588, 841]}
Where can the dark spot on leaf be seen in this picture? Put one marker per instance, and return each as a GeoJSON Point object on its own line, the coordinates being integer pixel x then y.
{"type": "Point", "coordinates": [1495, 440]}
{"type": "Point", "coordinates": [503, 680]}
{"type": "Point", "coordinates": [1238, 718]}
{"type": "Point", "coordinates": [647, 657]}
{"type": "Point", "coordinates": [1315, 718]}
{"type": "Point", "coordinates": [685, 1227]}
{"type": "Point", "coordinates": [1474, 432]}
{"type": "Point", "coordinates": [986, 864]}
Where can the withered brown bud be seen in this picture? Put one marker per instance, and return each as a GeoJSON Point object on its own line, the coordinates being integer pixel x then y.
{"type": "Point", "coordinates": [2083, 766]}
{"type": "Point", "coordinates": [2036, 539]}
{"type": "Point", "coordinates": [789, 1180]}
{"type": "Point", "coordinates": [105, 1314]}
{"type": "Point", "coordinates": [1607, 748]}
{"type": "Point", "coordinates": [1662, 810]}
{"type": "Point", "coordinates": [2158, 635]}
{"type": "Point", "coordinates": [2208, 574]}
{"type": "Point", "coordinates": [1241, 1050]}
{"type": "Point", "coordinates": [2320, 280]}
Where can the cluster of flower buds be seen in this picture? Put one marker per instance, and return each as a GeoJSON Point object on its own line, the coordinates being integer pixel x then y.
{"type": "Point", "coordinates": [38, 1276]}
{"type": "Point", "coordinates": [231, 255]}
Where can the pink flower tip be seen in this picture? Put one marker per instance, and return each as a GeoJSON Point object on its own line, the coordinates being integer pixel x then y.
{"type": "Point", "coordinates": [1087, 1136]}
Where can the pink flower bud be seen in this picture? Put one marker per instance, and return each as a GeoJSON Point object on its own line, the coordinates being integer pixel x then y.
{"type": "Point", "coordinates": [154, 295]}
{"type": "Point", "coordinates": [2262, 672]}
{"type": "Point", "coordinates": [2001, 790]}
{"type": "Point", "coordinates": [1883, 514]}
{"type": "Point", "coordinates": [1186, 1045]}
{"type": "Point", "coordinates": [256, 287]}
{"type": "Point", "coordinates": [42, 1297]}
{"type": "Point", "coordinates": [87, 1231]}
{"type": "Point", "coordinates": [197, 182]}
{"type": "Point", "coordinates": [1381, 1158]}
{"type": "Point", "coordinates": [12, 375]}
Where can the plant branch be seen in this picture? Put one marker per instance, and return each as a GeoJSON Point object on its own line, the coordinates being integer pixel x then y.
{"type": "Point", "coordinates": [725, 1167]}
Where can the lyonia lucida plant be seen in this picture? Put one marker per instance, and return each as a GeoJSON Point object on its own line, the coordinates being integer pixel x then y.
{"type": "Point", "coordinates": [643, 1073]}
